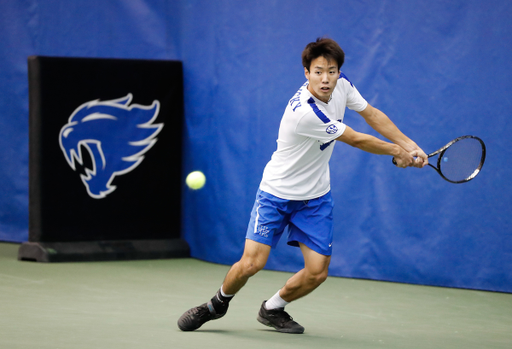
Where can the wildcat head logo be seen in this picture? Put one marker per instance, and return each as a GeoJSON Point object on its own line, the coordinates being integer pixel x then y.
{"type": "Point", "coordinates": [116, 135]}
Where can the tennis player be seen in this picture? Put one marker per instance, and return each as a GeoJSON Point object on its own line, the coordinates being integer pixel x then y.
{"type": "Point", "coordinates": [294, 196]}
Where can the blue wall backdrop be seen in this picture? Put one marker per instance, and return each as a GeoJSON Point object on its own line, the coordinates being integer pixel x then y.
{"type": "Point", "coordinates": [439, 69]}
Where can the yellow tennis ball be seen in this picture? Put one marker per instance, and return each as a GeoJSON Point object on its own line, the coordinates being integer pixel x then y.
{"type": "Point", "coordinates": [195, 180]}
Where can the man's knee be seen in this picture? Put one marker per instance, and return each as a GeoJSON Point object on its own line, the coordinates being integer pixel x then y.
{"type": "Point", "coordinates": [320, 278]}
{"type": "Point", "coordinates": [316, 266]}
{"type": "Point", "coordinates": [250, 266]}
{"type": "Point", "coordinates": [254, 258]}
{"type": "Point", "coordinates": [317, 278]}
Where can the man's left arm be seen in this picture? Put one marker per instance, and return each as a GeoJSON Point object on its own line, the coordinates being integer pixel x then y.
{"type": "Point", "coordinates": [381, 123]}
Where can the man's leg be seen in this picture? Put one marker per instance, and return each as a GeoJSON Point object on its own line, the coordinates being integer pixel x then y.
{"type": "Point", "coordinates": [300, 284]}
{"type": "Point", "coordinates": [253, 260]}
{"type": "Point", "coordinates": [314, 273]}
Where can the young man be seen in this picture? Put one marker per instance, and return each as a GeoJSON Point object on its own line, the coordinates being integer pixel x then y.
{"type": "Point", "coordinates": [295, 190]}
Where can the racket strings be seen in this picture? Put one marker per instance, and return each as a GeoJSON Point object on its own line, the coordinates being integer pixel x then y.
{"type": "Point", "coordinates": [462, 160]}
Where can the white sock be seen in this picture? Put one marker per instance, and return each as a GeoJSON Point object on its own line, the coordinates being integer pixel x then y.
{"type": "Point", "coordinates": [276, 302]}
{"type": "Point", "coordinates": [225, 295]}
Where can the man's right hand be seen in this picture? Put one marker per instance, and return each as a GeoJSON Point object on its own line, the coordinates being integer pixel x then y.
{"type": "Point", "coordinates": [415, 158]}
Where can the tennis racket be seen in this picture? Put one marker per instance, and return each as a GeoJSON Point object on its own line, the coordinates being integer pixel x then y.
{"type": "Point", "coordinates": [460, 160]}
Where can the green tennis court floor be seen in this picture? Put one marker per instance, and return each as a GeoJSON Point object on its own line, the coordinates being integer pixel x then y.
{"type": "Point", "coordinates": [136, 304]}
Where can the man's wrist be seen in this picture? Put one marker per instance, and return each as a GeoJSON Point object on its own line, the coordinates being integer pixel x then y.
{"type": "Point", "coordinates": [395, 150]}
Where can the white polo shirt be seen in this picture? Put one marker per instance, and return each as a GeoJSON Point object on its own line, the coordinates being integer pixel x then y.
{"type": "Point", "coordinates": [299, 168]}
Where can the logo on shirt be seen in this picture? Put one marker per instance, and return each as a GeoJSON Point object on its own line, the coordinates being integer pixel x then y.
{"type": "Point", "coordinates": [332, 129]}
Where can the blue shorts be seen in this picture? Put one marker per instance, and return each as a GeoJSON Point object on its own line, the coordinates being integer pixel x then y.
{"type": "Point", "coordinates": [308, 222]}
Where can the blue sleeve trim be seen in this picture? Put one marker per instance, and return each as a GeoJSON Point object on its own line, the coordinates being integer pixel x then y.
{"type": "Point", "coordinates": [343, 76]}
{"type": "Point", "coordinates": [318, 112]}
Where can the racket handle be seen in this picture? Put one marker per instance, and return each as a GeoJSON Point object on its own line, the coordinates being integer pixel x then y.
{"type": "Point", "coordinates": [394, 162]}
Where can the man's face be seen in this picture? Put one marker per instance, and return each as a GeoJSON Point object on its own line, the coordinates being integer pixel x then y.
{"type": "Point", "coordinates": [322, 77]}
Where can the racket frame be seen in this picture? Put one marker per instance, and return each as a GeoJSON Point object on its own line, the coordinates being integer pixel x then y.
{"type": "Point", "coordinates": [442, 150]}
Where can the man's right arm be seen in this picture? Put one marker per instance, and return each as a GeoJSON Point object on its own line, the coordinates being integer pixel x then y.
{"type": "Point", "coordinates": [374, 145]}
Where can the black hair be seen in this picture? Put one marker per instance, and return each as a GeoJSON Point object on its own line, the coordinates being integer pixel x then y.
{"type": "Point", "coordinates": [325, 47]}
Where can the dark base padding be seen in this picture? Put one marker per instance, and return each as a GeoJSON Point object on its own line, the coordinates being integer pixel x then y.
{"type": "Point", "coordinates": [87, 251]}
